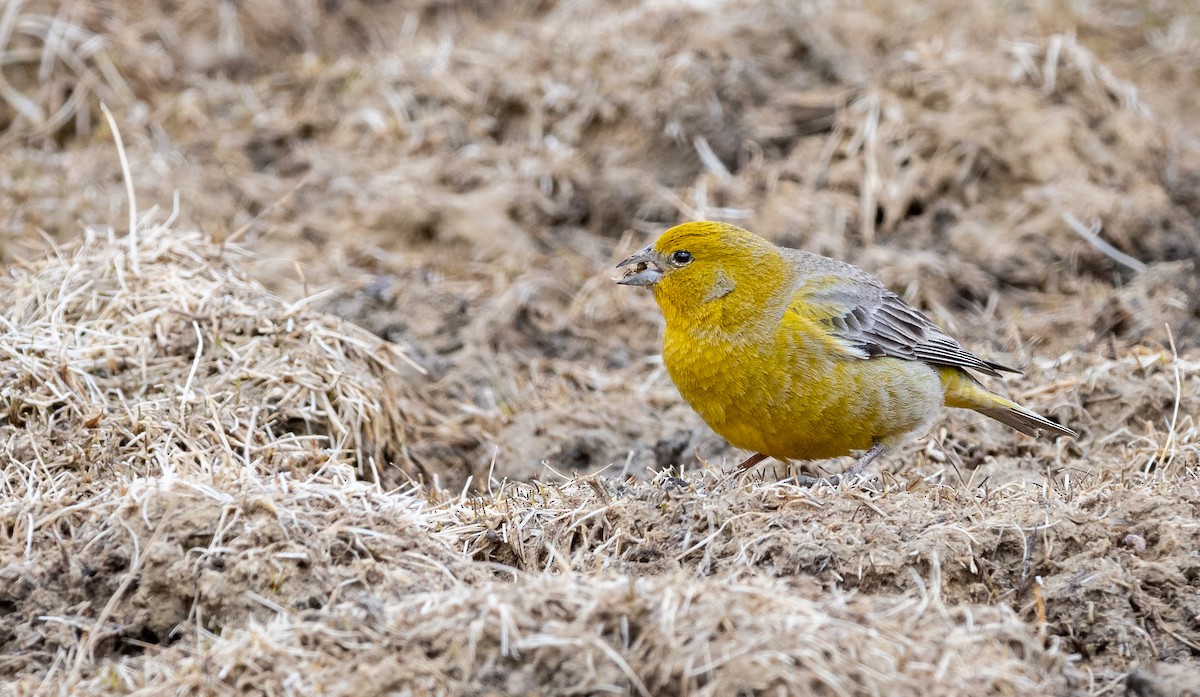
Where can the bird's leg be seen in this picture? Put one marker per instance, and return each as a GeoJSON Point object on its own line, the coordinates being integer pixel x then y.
{"type": "Point", "coordinates": [751, 461]}
{"type": "Point", "coordinates": [866, 459]}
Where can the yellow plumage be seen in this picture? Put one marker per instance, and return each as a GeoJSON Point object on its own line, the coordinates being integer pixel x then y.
{"type": "Point", "coordinates": [797, 356]}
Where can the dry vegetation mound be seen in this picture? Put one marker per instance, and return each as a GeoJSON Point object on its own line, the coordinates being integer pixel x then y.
{"type": "Point", "coordinates": [131, 359]}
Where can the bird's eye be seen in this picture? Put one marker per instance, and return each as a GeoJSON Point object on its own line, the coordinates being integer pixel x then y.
{"type": "Point", "coordinates": [681, 258]}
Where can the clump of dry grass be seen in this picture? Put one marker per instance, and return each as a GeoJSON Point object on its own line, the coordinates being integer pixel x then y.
{"type": "Point", "coordinates": [701, 585]}
{"type": "Point", "coordinates": [168, 358]}
{"type": "Point", "coordinates": [96, 578]}
{"type": "Point", "coordinates": [982, 155]}
{"type": "Point", "coordinates": [60, 58]}
{"type": "Point", "coordinates": [56, 64]}
{"type": "Point", "coordinates": [665, 635]}
{"type": "Point", "coordinates": [153, 399]}
{"type": "Point", "coordinates": [1036, 546]}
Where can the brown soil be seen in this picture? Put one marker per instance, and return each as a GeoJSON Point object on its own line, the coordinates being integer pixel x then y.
{"type": "Point", "coordinates": [366, 414]}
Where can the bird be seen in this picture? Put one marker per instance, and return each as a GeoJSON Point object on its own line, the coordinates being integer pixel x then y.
{"type": "Point", "coordinates": [796, 356]}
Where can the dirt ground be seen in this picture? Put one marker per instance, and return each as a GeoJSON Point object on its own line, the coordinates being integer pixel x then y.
{"type": "Point", "coordinates": [358, 410]}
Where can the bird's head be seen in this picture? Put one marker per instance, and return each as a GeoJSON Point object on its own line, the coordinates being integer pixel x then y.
{"type": "Point", "coordinates": [695, 266]}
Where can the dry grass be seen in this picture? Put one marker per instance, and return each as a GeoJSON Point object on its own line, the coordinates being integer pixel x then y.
{"type": "Point", "coordinates": [664, 635]}
{"type": "Point", "coordinates": [210, 488]}
{"type": "Point", "coordinates": [185, 512]}
{"type": "Point", "coordinates": [163, 358]}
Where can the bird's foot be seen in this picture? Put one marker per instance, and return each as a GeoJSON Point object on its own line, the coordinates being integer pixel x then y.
{"type": "Point", "coordinates": [833, 480]}
{"type": "Point", "coordinates": [866, 459]}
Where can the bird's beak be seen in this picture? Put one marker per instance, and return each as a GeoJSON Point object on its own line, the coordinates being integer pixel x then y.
{"type": "Point", "coordinates": [645, 271]}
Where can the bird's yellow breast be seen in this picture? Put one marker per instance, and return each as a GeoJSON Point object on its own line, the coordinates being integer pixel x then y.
{"type": "Point", "coordinates": [786, 390]}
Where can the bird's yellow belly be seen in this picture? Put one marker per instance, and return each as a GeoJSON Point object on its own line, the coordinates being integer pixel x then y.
{"type": "Point", "coordinates": [803, 404]}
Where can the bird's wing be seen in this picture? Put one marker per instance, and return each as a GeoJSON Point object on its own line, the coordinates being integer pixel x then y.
{"type": "Point", "coordinates": [867, 320]}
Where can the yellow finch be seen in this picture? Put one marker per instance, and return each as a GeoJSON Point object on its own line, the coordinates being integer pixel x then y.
{"type": "Point", "coordinates": [797, 356]}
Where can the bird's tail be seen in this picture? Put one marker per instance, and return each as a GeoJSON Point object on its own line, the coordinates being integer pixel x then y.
{"type": "Point", "coordinates": [965, 392]}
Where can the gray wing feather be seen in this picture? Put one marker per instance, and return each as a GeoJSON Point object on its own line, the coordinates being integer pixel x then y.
{"type": "Point", "coordinates": [877, 322]}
